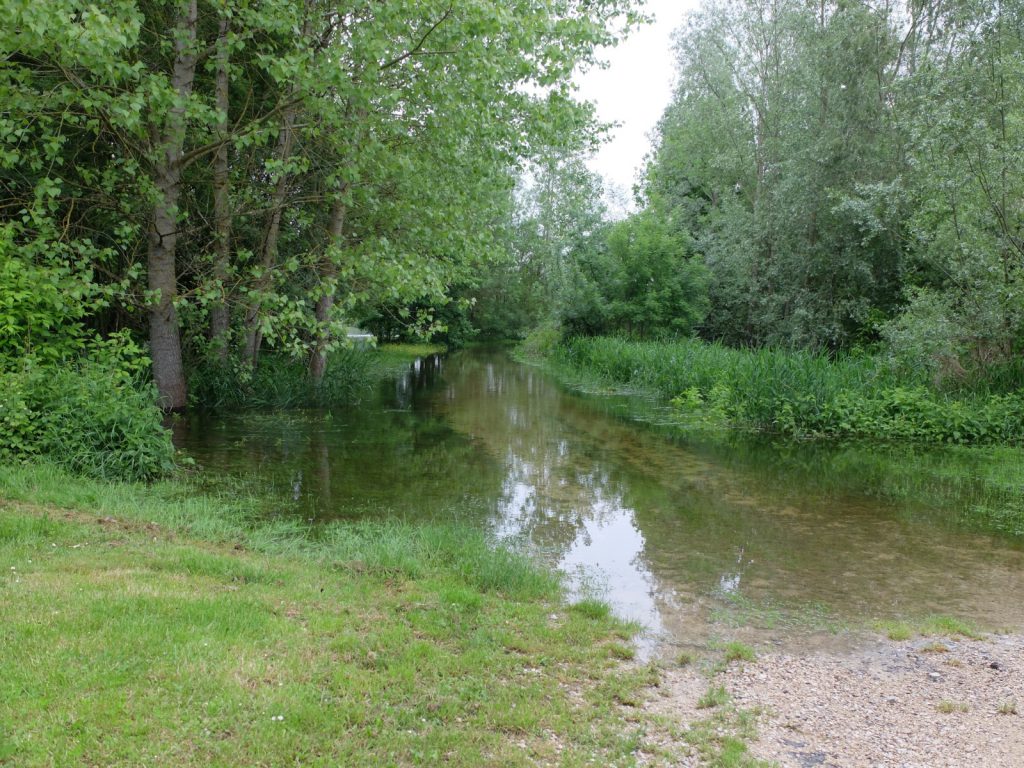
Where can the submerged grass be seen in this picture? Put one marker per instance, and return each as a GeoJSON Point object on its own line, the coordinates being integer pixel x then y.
{"type": "Point", "coordinates": [793, 392]}
{"type": "Point", "coordinates": [281, 381]}
{"type": "Point", "coordinates": [153, 625]}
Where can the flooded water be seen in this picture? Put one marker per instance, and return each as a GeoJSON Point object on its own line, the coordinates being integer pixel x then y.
{"type": "Point", "coordinates": [692, 538]}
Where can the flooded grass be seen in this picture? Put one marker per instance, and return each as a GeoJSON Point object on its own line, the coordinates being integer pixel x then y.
{"type": "Point", "coordinates": [784, 538]}
{"type": "Point", "coordinates": [151, 625]}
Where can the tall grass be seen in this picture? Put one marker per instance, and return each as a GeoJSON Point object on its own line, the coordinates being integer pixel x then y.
{"type": "Point", "coordinates": [281, 381]}
{"type": "Point", "coordinates": [797, 393]}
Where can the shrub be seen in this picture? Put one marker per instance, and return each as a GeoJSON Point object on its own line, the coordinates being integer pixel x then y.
{"type": "Point", "coordinates": [541, 342]}
{"type": "Point", "coordinates": [92, 416]}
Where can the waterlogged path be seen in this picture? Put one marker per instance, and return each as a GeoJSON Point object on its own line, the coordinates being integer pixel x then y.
{"type": "Point", "coordinates": [696, 540]}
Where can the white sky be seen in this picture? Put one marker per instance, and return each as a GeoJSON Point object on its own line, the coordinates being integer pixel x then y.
{"type": "Point", "coordinates": [634, 90]}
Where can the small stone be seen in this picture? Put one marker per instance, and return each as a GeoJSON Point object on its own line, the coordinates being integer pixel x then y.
{"type": "Point", "coordinates": [995, 665]}
{"type": "Point", "coordinates": [934, 677]}
{"type": "Point", "coordinates": [891, 700]}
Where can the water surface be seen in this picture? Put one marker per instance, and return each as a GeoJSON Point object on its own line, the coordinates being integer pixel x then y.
{"type": "Point", "coordinates": [693, 538]}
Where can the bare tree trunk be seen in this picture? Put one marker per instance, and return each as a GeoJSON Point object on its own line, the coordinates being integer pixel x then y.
{"type": "Point", "coordinates": [318, 358]}
{"type": "Point", "coordinates": [219, 315]}
{"type": "Point", "coordinates": [164, 333]}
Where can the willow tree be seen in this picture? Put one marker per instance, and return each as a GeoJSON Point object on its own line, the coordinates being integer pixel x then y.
{"type": "Point", "coordinates": [781, 123]}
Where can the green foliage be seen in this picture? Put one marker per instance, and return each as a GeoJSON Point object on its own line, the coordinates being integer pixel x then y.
{"type": "Point", "coordinates": [800, 394]}
{"type": "Point", "coordinates": [572, 268]}
{"type": "Point", "coordinates": [300, 164]}
{"type": "Point", "coordinates": [91, 416]}
{"type": "Point", "coordinates": [770, 156]}
{"type": "Point", "coordinates": [282, 381]}
{"type": "Point", "coordinates": [44, 300]}
{"type": "Point", "coordinates": [659, 288]}
{"type": "Point", "coordinates": [541, 343]}
{"type": "Point", "coordinates": [554, 228]}
{"type": "Point", "coordinates": [846, 171]}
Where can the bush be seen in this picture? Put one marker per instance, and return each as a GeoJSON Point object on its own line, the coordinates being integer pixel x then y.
{"type": "Point", "coordinates": [541, 342]}
{"type": "Point", "coordinates": [91, 416]}
{"type": "Point", "coordinates": [796, 393]}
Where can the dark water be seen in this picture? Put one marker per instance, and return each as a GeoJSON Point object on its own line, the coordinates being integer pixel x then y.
{"type": "Point", "coordinates": [691, 538]}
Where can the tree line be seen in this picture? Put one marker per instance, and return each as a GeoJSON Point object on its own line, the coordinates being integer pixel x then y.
{"type": "Point", "coordinates": [829, 175]}
{"type": "Point", "coordinates": [214, 177]}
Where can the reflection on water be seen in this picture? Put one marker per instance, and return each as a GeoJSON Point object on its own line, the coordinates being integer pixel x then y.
{"type": "Point", "coordinates": [669, 531]}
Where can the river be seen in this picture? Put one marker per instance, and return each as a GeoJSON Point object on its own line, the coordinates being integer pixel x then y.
{"type": "Point", "coordinates": [695, 538]}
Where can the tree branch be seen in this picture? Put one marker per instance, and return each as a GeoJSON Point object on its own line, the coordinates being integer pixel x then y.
{"type": "Point", "coordinates": [422, 41]}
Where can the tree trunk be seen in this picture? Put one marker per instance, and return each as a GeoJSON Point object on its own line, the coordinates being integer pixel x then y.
{"type": "Point", "coordinates": [219, 315]}
{"type": "Point", "coordinates": [164, 333]}
{"type": "Point", "coordinates": [318, 358]}
{"type": "Point", "coordinates": [268, 252]}
{"type": "Point", "coordinates": [268, 257]}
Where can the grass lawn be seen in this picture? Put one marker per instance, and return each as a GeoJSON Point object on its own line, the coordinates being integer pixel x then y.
{"type": "Point", "coordinates": [153, 625]}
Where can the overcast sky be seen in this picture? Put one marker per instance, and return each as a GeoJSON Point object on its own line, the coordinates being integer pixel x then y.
{"type": "Point", "coordinates": [634, 91]}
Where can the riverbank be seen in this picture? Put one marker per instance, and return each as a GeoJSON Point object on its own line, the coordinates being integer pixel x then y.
{"type": "Point", "coordinates": [792, 393]}
{"type": "Point", "coordinates": [158, 625]}
{"type": "Point", "coordinates": [928, 701]}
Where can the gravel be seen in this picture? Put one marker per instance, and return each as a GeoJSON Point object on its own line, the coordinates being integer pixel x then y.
{"type": "Point", "coordinates": [915, 704]}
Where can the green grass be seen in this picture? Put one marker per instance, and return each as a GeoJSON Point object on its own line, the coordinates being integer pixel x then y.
{"type": "Point", "coordinates": [715, 696]}
{"type": "Point", "coordinates": [737, 651]}
{"type": "Point", "coordinates": [791, 392]}
{"type": "Point", "coordinates": [407, 352]}
{"type": "Point", "coordinates": [721, 740]}
{"type": "Point", "coordinates": [928, 626]}
{"type": "Point", "coordinates": [716, 741]}
{"type": "Point", "coordinates": [592, 609]}
{"type": "Point", "coordinates": [155, 625]}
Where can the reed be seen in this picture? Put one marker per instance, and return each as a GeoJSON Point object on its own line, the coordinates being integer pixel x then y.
{"type": "Point", "coordinates": [796, 392]}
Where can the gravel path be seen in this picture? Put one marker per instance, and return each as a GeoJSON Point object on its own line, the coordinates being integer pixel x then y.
{"type": "Point", "coordinates": [921, 703]}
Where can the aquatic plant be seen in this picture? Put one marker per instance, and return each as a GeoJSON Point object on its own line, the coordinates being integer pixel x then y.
{"type": "Point", "coordinates": [281, 381]}
{"type": "Point", "coordinates": [797, 393]}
